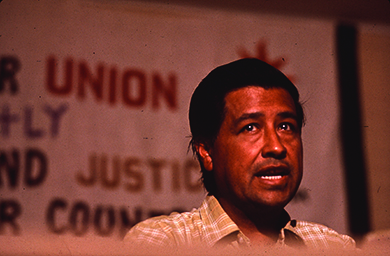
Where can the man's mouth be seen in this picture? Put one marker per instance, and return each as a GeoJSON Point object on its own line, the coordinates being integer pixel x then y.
{"type": "Point", "coordinates": [273, 172]}
{"type": "Point", "coordinates": [272, 177]}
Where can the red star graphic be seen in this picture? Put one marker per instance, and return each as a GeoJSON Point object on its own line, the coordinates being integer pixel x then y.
{"type": "Point", "coordinates": [261, 53]}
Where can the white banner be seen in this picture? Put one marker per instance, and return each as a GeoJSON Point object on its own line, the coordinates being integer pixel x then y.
{"type": "Point", "coordinates": [94, 102]}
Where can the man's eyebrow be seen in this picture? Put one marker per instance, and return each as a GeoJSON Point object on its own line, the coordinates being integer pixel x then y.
{"type": "Point", "coordinates": [246, 116]}
{"type": "Point", "coordinates": [288, 114]}
{"type": "Point", "coordinates": [256, 115]}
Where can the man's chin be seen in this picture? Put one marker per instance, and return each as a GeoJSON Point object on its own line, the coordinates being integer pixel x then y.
{"type": "Point", "coordinates": [272, 201]}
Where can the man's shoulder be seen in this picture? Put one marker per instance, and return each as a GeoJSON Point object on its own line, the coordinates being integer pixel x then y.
{"type": "Point", "coordinates": [165, 230]}
{"type": "Point", "coordinates": [318, 235]}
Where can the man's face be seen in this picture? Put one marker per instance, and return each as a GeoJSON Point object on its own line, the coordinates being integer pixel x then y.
{"type": "Point", "coordinates": [257, 156]}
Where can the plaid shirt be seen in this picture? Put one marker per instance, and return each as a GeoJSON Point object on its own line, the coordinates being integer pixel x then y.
{"type": "Point", "coordinates": [210, 226]}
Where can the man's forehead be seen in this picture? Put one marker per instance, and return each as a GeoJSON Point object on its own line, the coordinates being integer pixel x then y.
{"type": "Point", "coordinates": [256, 99]}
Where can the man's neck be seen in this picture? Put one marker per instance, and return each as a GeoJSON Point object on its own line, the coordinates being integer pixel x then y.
{"type": "Point", "coordinates": [261, 226]}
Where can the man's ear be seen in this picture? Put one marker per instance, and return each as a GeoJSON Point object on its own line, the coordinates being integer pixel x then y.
{"type": "Point", "coordinates": [205, 156]}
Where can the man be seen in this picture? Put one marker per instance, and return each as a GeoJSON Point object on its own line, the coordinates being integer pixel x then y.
{"type": "Point", "coordinates": [246, 120]}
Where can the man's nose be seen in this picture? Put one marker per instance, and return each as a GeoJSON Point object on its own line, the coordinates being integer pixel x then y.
{"type": "Point", "coordinates": [273, 146]}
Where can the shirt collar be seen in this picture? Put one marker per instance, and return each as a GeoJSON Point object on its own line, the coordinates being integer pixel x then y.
{"type": "Point", "coordinates": [219, 226]}
{"type": "Point", "coordinates": [289, 235]}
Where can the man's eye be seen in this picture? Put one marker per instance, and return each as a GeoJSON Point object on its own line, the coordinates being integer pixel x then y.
{"type": "Point", "coordinates": [286, 127]}
{"type": "Point", "coordinates": [249, 128]}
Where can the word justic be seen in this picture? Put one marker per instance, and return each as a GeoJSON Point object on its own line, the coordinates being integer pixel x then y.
{"type": "Point", "coordinates": [132, 174]}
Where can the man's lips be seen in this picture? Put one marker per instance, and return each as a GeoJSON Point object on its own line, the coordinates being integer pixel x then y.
{"type": "Point", "coordinates": [273, 176]}
{"type": "Point", "coordinates": [273, 172]}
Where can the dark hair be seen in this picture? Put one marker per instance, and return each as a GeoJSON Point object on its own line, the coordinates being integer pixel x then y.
{"type": "Point", "coordinates": [207, 106]}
